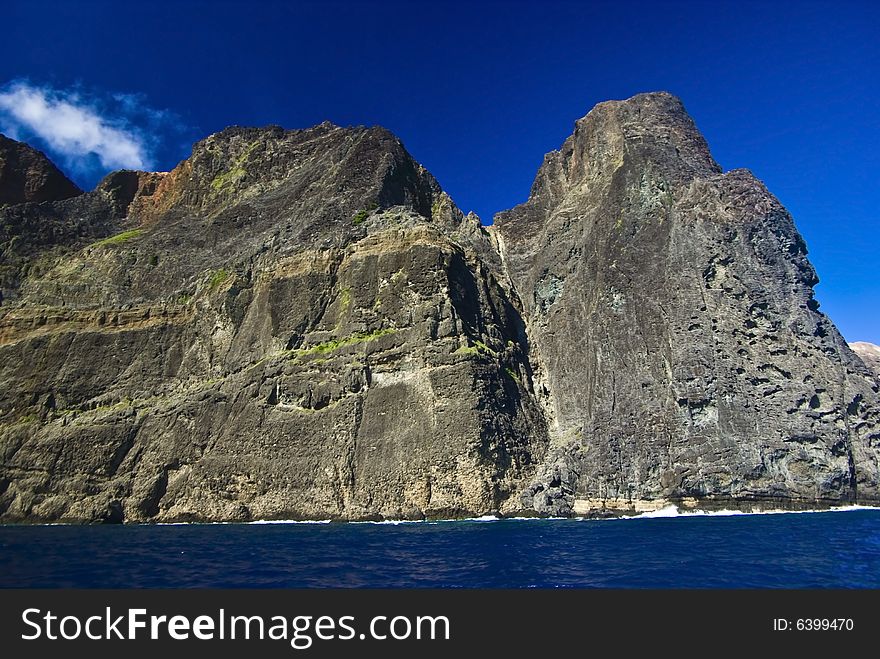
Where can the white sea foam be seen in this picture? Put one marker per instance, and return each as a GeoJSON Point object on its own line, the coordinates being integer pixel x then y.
{"type": "Point", "coordinates": [484, 518]}
{"type": "Point", "coordinates": [670, 511]}
{"type": "Point", "coordinates": [290, 521]}
{"type": "Point", "coordinates": [395, 522]}
{"type": "Point", "coordinates": [391, 522]}
{"type": "Point", "coordinates": [673, 511]}
{"type": "Point", "coordinates": [254, 522]}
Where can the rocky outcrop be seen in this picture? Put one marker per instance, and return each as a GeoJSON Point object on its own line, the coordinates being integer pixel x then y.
{"type": "Point", "coordinates": [302, 325]}
{"type": "Point", "coordinates": [26, 175]}
{"type": "Point", "coordinates": [670, 311]}
{"type": "Point", "coordinates": [291, 324]}
{"type": "Point", "coordinates": [869, 354]}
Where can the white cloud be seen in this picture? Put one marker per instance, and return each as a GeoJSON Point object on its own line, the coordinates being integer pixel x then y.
{"type": "Point", "coordinates": [79, 129]}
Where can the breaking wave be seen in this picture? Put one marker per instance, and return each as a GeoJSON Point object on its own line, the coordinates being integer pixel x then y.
{"type": "Point", "coordinates": [673, 511]}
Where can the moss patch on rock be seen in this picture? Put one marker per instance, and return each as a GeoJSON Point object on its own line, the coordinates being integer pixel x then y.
{"type": "Point", "coordinates": [119, 238]}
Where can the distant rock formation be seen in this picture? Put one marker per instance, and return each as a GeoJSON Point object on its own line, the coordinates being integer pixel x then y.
{"type": "Point", "coordinates": [302, 325]}
{"type": "Point", "coordinates": [869, 353]}
{"type": "Point", "coordinates": [26, 175]}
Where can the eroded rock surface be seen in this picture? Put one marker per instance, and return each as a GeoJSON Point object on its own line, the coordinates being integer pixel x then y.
{"type": "Point", "coordinates": [670, 312]}
{"type": "Point", "coordinates": [291, 324]}
{"type": "Point", "coordinates": [302, 325]}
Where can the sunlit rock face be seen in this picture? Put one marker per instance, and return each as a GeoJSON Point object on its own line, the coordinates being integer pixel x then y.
{"type": "Point", "coordinates": [869, 353]}
{"type": "Point", "coordinates": [291, 324]}
{"type": "Point", "coordinates": [302, 325]}
{"type": "Point", "coordinates": [679, 349]}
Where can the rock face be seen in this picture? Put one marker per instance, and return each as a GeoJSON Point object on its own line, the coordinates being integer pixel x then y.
{"type": "Point", "coordinates": [869, 353]}
{"type": "Point", "coordinates": [28, 175]}
{"type": "Point", "coordinates": [288, 325]}
{"type": "Point", "coordinates": [302, 325]}
{"type": "Point", "coordinates": [670, 312]}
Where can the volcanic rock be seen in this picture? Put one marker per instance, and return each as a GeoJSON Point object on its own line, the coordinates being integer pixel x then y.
{"type": "Point", "coordinates": [27, 175]}
{"type": "Point", "coordinates": [300, 324]}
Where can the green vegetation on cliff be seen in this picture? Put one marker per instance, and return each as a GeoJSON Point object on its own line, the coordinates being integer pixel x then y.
{"type": "Point", "coordinates": [119, 238]}
{"type": "Point", "coordinates": [335, 344]}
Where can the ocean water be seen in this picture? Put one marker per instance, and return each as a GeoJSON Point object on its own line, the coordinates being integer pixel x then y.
{"type": "Point", "coordinates": [834, 549]}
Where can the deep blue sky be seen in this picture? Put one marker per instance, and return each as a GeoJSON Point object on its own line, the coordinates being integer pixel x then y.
{"type": "Point", "coordinates": [478, 92]}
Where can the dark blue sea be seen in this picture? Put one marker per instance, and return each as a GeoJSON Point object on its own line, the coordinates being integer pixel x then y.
{"type": "Point", "coordinates": [792, 550]}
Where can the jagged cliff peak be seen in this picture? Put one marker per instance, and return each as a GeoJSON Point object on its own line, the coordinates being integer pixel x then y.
{"type": "Point", "coordinates": [243, 191]}
{"type": "Point", "coordinates": [651, 132]}
{"type": "Point", "coordinates": [655, 123]}
{"type": "Point", "coordinates": [361, 166]}
{"type": "Point", "coordinates": [27, 175]}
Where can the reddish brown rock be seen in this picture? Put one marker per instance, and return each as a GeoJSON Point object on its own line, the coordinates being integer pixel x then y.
{"type": "Point", "coordinates": [27, 175]}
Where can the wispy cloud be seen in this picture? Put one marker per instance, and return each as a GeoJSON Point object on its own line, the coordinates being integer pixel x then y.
{"type": "Point", "coordinates": [87, 131]}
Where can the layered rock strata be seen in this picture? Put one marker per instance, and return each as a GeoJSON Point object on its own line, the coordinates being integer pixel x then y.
{"type": "Point", "coordinates": [302, 325]}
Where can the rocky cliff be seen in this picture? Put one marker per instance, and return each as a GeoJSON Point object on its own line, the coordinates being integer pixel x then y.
{"type": "Point", "coordinates": [302, 325]}
{"type": "Point", "coordinates": [670, 311]}
{"type": "Point", "coordinates": [291, 324]}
